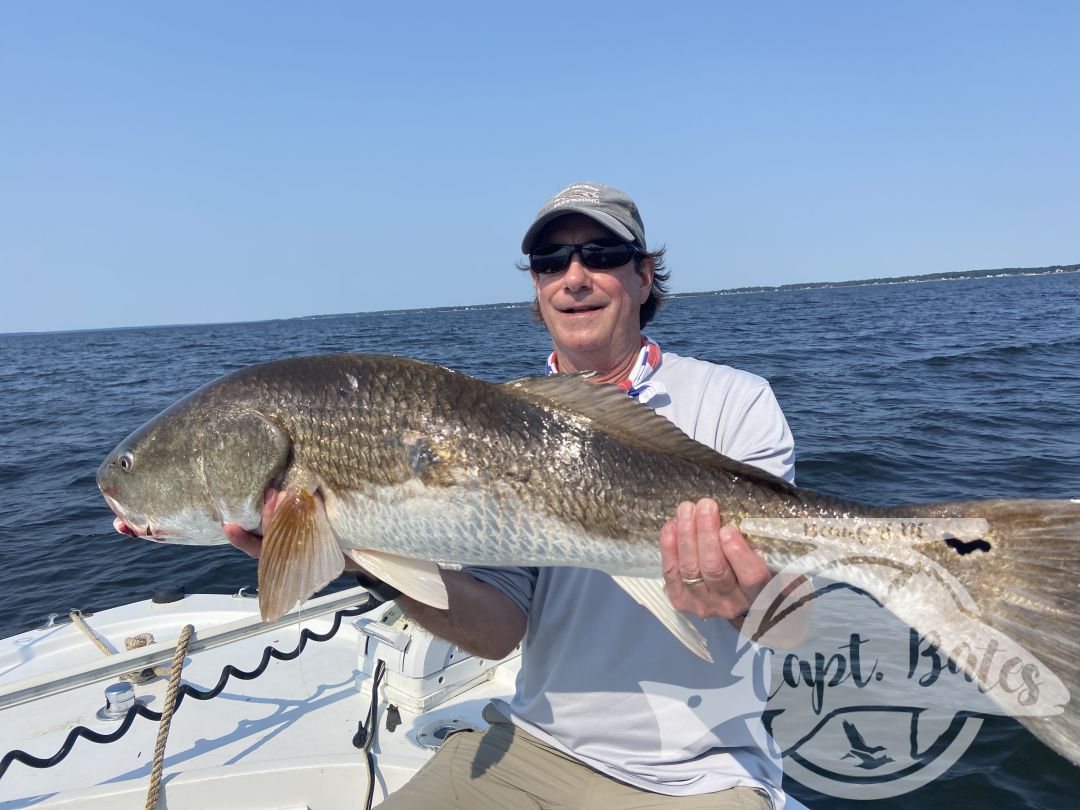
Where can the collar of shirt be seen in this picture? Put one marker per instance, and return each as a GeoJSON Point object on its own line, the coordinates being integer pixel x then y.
{"type": "Point", "coordinates": [637, 384]}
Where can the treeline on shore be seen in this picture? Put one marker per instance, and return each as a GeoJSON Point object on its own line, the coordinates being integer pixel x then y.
{"type": "Point", "coordinates": [812, 285]}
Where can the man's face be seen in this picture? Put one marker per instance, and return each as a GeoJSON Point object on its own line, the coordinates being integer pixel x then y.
{"type": "Point", "coordinates": [592, 315]}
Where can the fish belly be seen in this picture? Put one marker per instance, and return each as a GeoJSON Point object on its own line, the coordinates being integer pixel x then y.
{"type": "Point", "coordinates": [471, 526]}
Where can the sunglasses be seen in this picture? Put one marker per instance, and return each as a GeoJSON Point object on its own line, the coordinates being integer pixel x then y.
{"type": "Point", "coordinates": [594, 255]}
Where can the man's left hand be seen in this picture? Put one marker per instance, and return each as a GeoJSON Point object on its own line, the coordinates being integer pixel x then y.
{"type": "Point", "coordinates": [709, 570]}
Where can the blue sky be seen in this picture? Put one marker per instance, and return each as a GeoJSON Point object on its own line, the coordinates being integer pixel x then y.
{"type": "Point", "coordinates": [197, 162]}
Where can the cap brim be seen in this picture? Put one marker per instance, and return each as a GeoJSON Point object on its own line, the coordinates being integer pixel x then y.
{"type": "Point", "coordinates": [604, 218]}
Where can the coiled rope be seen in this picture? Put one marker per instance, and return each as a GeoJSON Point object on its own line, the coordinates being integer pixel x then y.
{"type": "Point", "coordinates": [130, 643]}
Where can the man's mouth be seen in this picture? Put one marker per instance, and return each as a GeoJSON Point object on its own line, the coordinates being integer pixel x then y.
{"type": "Point", "coordinates": [579, 310]}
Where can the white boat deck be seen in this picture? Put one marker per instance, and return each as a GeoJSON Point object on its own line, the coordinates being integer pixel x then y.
{"type": "Point", "coordinates": [281, 740]}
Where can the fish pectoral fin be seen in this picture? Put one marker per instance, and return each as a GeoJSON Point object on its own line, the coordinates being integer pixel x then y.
{"type": "Point", "coordinates": [419, 579]}
{"type": "Point", "coordinates": [300, 553]}
{"type": "Point", "coordinates": [649, 593]}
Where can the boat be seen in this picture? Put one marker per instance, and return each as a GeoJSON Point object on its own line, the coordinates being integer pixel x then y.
{"type": "Point", "coordinates": [294, 735]}
{"type": "Point", "coordinates": [334, 706]}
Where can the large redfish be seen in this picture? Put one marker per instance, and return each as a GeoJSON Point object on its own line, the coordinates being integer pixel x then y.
{"type": "Point", "coordinates": [402, 464]}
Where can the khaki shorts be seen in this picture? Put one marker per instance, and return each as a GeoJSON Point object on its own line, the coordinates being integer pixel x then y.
{"type": "Point", "coordinates": [505, 768]}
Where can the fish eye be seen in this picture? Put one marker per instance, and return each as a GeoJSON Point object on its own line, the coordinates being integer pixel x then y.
{"type": "Point", "coordinates": [126, 461]}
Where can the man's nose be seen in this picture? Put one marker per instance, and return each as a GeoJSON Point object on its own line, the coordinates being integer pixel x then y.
{"type": "Point", "coordinates": [577, 274]}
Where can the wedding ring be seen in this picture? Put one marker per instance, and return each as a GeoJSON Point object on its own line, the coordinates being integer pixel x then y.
{"type": "Point", "coordinates": [694, 581]}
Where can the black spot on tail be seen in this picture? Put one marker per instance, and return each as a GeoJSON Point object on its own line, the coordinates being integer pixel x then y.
{"type": "Point", "coordinates": [961, 547]}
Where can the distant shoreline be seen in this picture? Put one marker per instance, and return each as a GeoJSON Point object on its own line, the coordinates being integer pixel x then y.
{"type": "Point", "coordinates": [1003, 272]}
{"type": "Point", "coordinates": [872, 282]}
{"type": "Point", "coordinates": [809, 285]}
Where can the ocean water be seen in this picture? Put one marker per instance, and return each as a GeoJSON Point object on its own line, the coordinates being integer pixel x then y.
{"type": "Point", "coordinates": [895, 393]}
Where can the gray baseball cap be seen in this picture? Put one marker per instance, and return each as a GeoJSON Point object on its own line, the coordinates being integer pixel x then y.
{"type": "Point", "coordinates": [610, 207]}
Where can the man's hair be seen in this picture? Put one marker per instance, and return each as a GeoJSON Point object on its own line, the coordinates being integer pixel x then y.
{"type": "Point", "coordinates": [658, 294]}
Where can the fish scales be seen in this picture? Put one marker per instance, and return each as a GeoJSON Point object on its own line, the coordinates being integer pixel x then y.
{"type": "Point", "coordinates": [554, 461]}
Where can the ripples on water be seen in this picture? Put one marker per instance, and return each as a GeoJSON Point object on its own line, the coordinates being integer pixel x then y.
{"type": "Point", "coordinates": [914, 392]}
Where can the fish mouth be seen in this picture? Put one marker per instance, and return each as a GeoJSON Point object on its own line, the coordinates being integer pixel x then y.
{"type": "Point", "coordinates": [130, 527]}
{"type": "Point", "coordinates": [143, 533]}
{"type": "Point", "coordinates": [124, 528]}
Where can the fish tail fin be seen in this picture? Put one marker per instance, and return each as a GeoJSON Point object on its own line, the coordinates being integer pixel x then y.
{"type": "Point", "coordinates": [1023, 575]}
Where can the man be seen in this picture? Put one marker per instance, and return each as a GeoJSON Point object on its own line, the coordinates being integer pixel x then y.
{"type": "Point", "coordinates": [595, 720]}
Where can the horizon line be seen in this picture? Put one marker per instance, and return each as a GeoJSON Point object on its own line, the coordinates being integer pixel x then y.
{"type": "Point", "coordinates": [1002, 272]}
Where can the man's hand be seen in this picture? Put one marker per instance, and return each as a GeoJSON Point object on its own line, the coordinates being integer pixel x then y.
{"type": "Point", "coordinates": [709, 570]}
{"type": "Point", "coordinates": [251, 542]}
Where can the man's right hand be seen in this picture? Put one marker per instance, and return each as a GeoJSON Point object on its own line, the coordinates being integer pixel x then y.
{"type": "Point", "coordinates": [251, 542]}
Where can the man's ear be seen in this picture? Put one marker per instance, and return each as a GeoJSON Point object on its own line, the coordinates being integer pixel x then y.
{"type": "Point", "coordinates": [647, 270]}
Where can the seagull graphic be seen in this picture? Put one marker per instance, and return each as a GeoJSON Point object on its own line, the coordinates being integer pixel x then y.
{"type": "Point", "coordinates": [861, 751]}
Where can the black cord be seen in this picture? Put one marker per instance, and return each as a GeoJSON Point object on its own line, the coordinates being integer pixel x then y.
{"type": "Point", "coordinates": [365, 734]}
{"type": "Point", "coordinates": [185, 689]}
